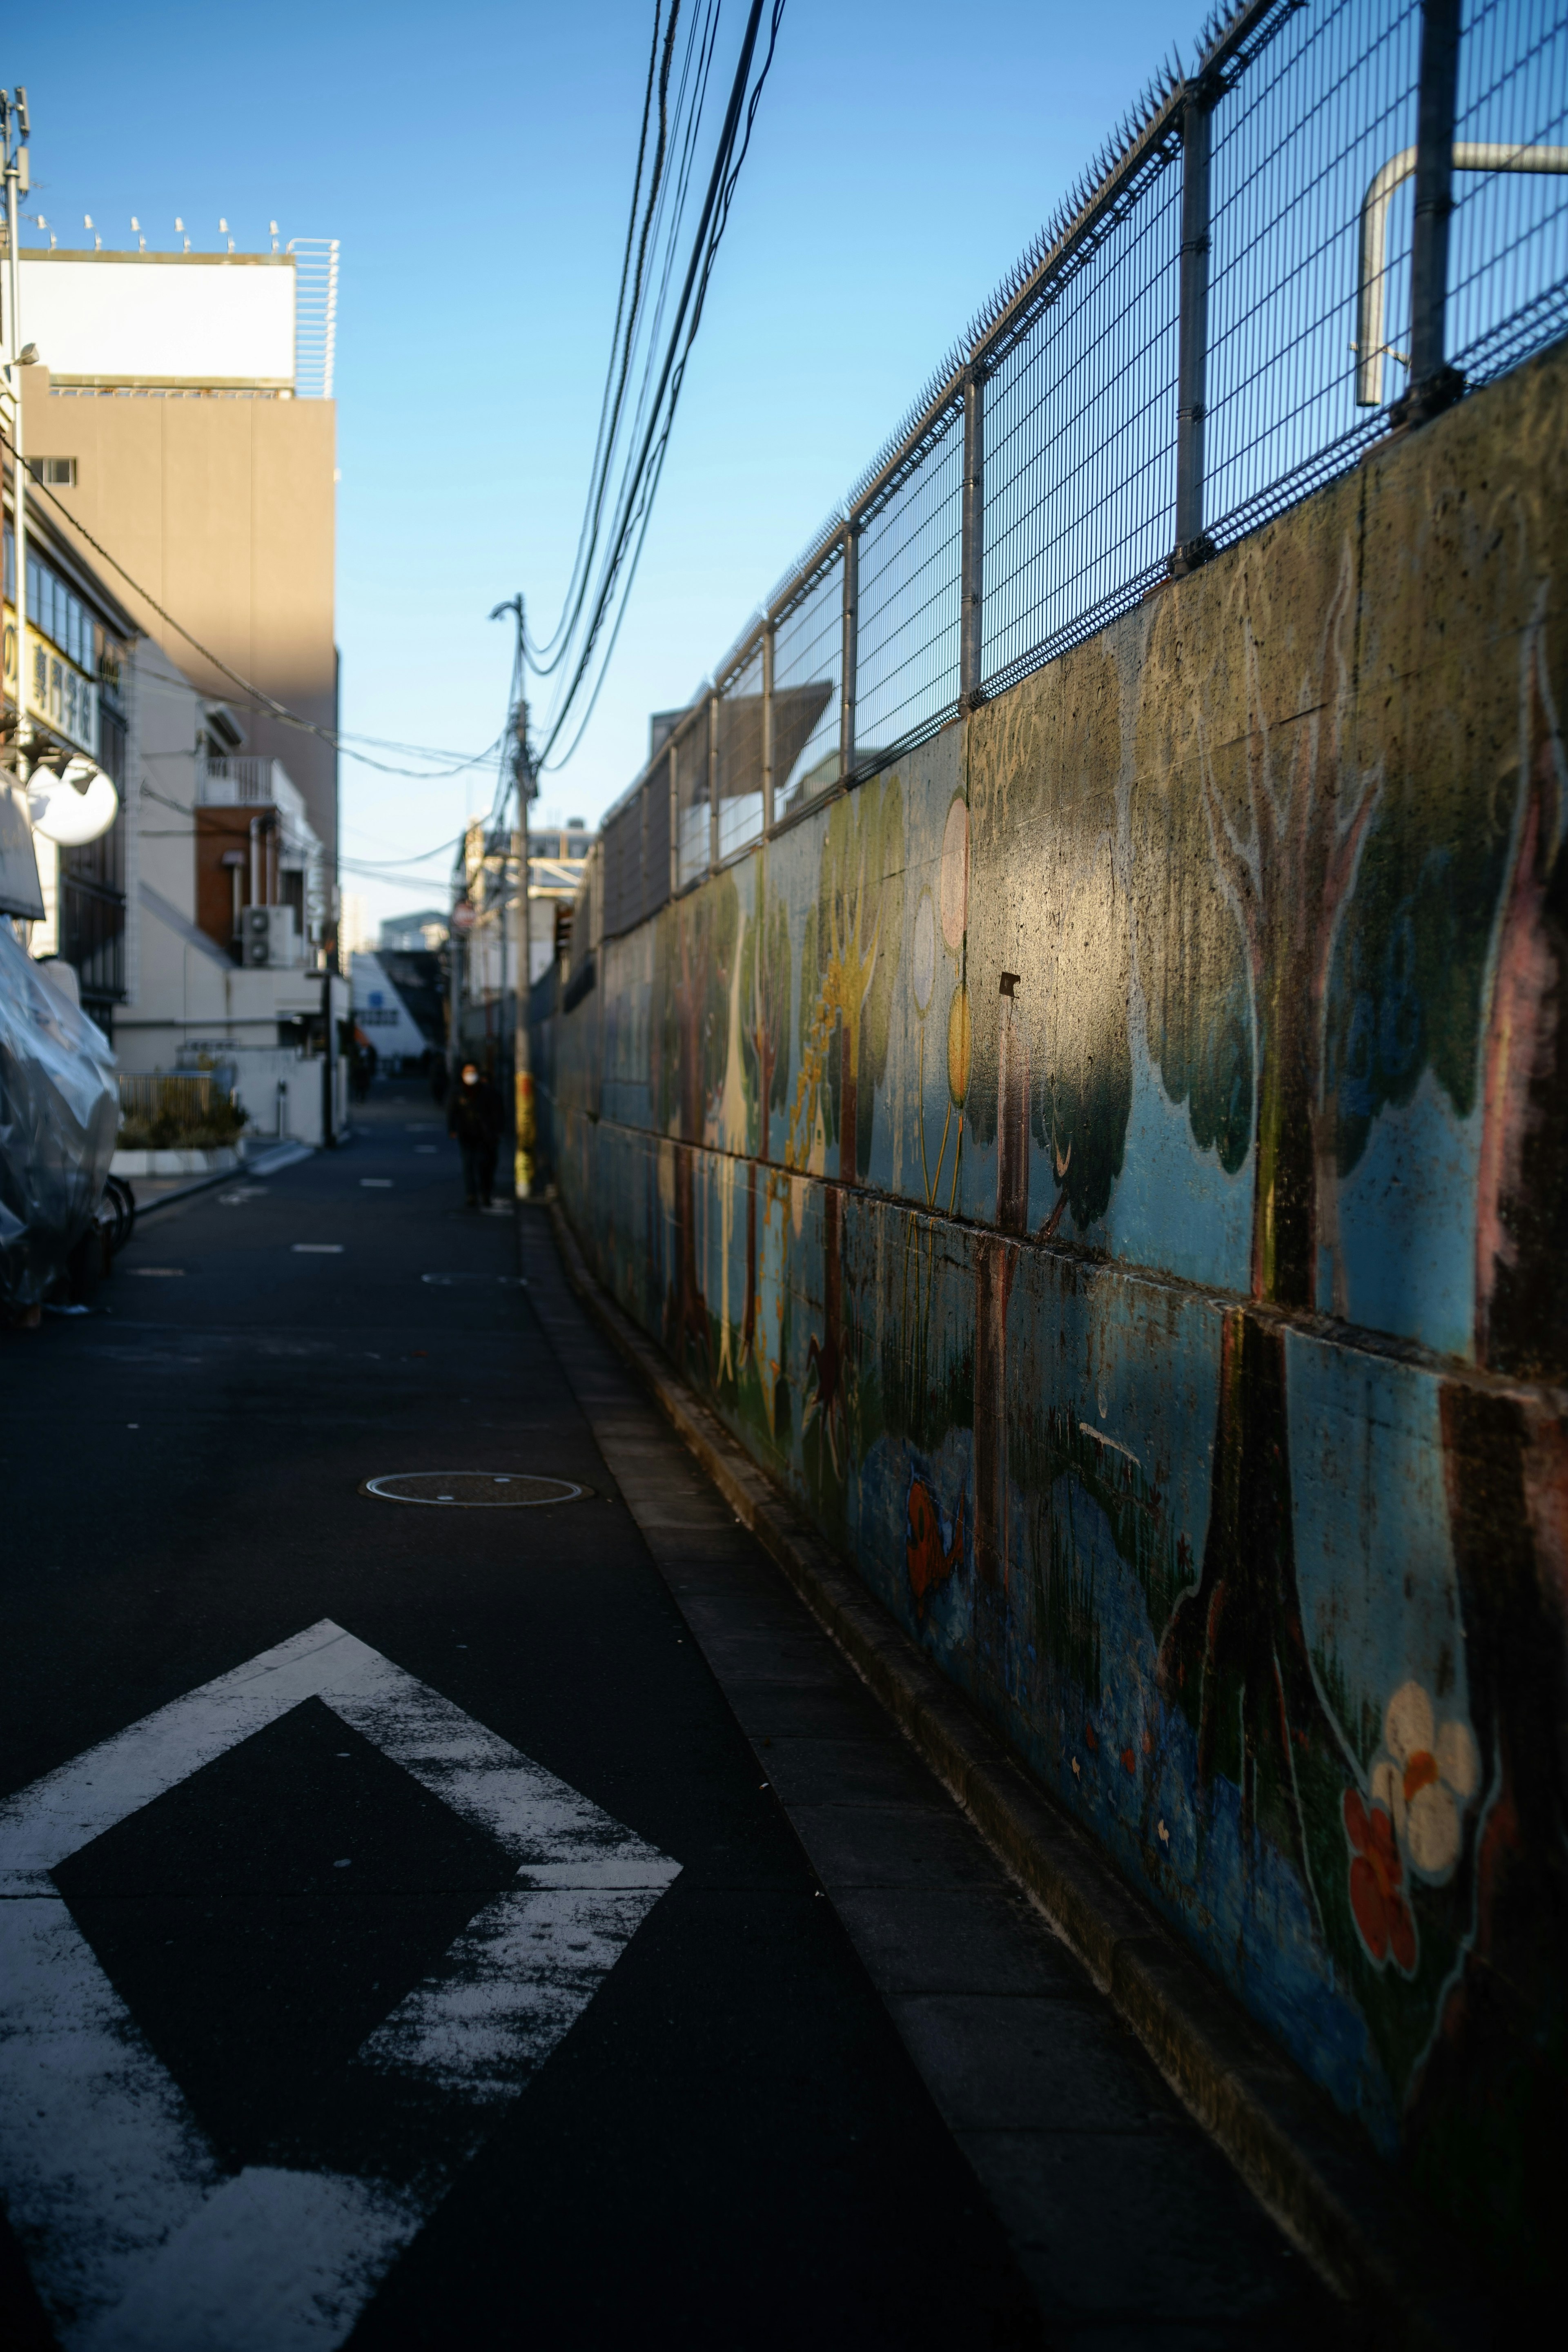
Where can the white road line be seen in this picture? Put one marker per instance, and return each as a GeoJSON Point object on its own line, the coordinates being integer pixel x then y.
{"type": "Point", "coordinates": [136, 2238]}
{"type": "Point", "coordinates": [318, 1249]}
{"type": "Point", "coordinates": [272, 2258]}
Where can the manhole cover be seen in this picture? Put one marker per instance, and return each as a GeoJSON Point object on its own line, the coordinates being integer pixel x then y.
{"type": "Point", "coordinates": [484, 1490]}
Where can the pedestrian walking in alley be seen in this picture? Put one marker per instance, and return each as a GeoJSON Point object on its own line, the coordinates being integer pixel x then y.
{"type": "Point", "coordinates": [473, 1118]}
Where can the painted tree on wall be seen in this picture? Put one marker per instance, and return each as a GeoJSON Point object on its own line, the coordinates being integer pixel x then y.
{"type": "Point", "coordinates": [1283, 814]}
{"type": "Point", "coordinates": [850, 962]}
{"type": "Point", "coordinates": [764, 1036]}
{"type": "Point", "coordinates": [695, 945]}
{"type": "Point", "coordinates": [1494, 2086]}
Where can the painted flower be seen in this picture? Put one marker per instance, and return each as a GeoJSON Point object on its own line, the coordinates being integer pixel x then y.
{"type": "Point", "coordinates": [1430, 1772]}
{"type": "Point", "coordinates": [922, 961]}
{"type": "Point", "coordinates": [959, 1038]}
{"type": "Point", "coordinates": [1377, 1878]}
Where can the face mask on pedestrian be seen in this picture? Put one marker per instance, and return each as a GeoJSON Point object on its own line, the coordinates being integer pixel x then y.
{"type": "Point", "coordinates": [470, 1076]}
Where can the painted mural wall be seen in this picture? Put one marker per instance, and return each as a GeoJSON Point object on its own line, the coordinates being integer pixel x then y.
{"type": "Point", "coordinates": [1113, 1170]}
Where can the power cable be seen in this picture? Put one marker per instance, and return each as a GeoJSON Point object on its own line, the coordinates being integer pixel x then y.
{"type": "Point", "coordinates": [603, 445]}
{"type": "Point", "coordinates": [259, 700]}
{"type": "Point", "coordinates": [420, 857]}
{"type": "Point", "coordinates": [640, 484]}
{"type": "Point", "coordinates": [664, 444]}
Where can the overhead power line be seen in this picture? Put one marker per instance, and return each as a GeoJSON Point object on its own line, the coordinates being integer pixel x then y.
{"type": "Point", "coordinates": [609, 414]}
{"type": "Point", "coordinates": [577, 638]}
{"type": "Point", "coordinates": [257, 697]}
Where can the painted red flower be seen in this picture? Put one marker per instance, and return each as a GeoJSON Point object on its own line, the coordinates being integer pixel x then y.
{"type": "Point", "coordinates": [1377, 1876]}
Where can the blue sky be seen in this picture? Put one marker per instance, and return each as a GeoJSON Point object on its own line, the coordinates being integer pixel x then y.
{"type": "Point", "coordinates": [476, 164]}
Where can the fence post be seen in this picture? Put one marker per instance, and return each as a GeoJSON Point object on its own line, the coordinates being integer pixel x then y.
{"type": "Point", "coordinates": [767, 727]}
{"type": "Point", "coordinates": [1434, 384]}
{"type": "Point", "coordinates": [971, 542]}
{"type": "Point", "coordinates": [712, 781]}
{"type": "Point", "coordinates": [1193, 544]}
{"type": "Point", "coordinates": [674, 823]}
{"type": "Point", "coordinates": [851, 631]}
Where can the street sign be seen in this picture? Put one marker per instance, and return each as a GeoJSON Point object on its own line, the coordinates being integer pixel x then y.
{"type": "Point", "coordinates": [464, 916]}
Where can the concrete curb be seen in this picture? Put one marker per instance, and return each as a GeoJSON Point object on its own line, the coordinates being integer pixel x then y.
{"type": "Point", "coordinates": [1329, 2194]}
{"type": "Point", "coordinates": [265, 1163]}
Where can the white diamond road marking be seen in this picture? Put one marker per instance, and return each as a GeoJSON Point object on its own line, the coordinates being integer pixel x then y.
{"type": "Point", "coordinates": [136, 2237]}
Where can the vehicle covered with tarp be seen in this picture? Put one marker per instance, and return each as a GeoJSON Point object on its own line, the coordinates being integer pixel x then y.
{"type": "Point", "coordinates": [59, 1114]}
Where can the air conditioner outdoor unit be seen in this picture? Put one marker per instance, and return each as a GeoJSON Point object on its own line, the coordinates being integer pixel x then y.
{"type": "Point", "coordinates": [269, 938]}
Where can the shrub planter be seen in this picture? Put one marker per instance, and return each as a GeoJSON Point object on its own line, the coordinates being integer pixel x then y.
{"type": "Point", "coordinates": [176, 1163]}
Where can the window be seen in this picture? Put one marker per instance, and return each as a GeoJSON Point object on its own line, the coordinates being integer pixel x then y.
{"type": "Point", "coordinates": [55, 473]}
{"type": "Point", "coordinates": [56, 614]}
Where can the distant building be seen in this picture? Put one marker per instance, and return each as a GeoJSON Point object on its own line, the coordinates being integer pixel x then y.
{"type": "Point", "coordinates": [413, 934]}
{"type": "Point", "coordinates": [485, 879]}
{"type": "Point", "coordinates": [354, 934]}
{"type": "Point", "coordinates": [383, 1016]}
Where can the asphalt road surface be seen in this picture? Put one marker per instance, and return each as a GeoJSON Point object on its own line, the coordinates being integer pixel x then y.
{"type": "Point", "coordinates": [400, 1943]}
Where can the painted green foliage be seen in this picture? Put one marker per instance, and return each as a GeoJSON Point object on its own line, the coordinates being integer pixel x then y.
{"type": "Point", "coordinates": [694, 954]}
{"type": "Point", "coordinates": [849, 962]}
{"type": "Point", "coordinates": [764, 1012]}
{"type": "Point", "coordinates": [1192, 971]}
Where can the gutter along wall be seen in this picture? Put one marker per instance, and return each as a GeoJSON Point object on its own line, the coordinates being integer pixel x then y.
{"type": "Point", "coordinates": [1113, 1168]}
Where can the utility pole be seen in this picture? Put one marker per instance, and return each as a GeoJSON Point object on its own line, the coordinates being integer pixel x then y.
{"type": "Point", "coordinates": [523, 779]}
{"type": "Point", "coordinates": [14, 139]}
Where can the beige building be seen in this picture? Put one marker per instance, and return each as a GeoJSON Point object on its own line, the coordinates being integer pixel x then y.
{"type": "Point", "coordinates": [182, 412]}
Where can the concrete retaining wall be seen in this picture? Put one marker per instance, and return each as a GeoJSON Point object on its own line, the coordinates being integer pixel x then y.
{"type": "Point", "coordinates": [1113, 1170]}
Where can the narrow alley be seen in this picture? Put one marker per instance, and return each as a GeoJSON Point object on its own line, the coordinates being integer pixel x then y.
{"type": "Point", "coordinates": [441, 1929]}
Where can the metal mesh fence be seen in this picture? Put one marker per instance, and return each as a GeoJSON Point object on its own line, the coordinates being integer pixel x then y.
{"type": "Point", "coordinates": [906, 663]}
{"type": "Point", "coordinates": [1248, 289]}
{"type": "Point", "coordinates": [738, 764]}
{"type": "Point", "coordinates": [1298, 145]}
{"type": "Point", "coordinates": [808, 683]}
{"type": "Point", "coordinates": [1508, 253]}
{"type": "Point", "coordinates": [655, 813]}
{"type": "Point", "coordinates": [694, 832]}
{"type": "Point", "coordinates": [621, 835]}
{"type": "Point", "coordinates": [1080, 435]}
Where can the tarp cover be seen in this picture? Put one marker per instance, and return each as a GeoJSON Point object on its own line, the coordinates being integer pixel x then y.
{"type": "Point", "coordinates": [59, 1113]}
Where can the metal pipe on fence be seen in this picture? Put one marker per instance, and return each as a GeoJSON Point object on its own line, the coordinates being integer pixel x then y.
{"type": "Point", "coordinates": [768, 727]}
{"type": "Point", "coordinates": [851, 634]}
{"type": "Point", "coordinates": [971, 542]}
{"type": "Point", "coordinates": [1193, 546]}
{"type": "Point", "coordinates": [1372, 347]}
{"type": "Point", "coordinates": [1433, 384]}
{"type": "Point", "coordinates": [712, 781]}
{"type": "Point", "coordinates": [674, 821]}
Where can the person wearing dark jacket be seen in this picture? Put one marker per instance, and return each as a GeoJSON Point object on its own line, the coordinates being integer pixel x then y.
{"type": "Point", "coordinates": [473, 1118]}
